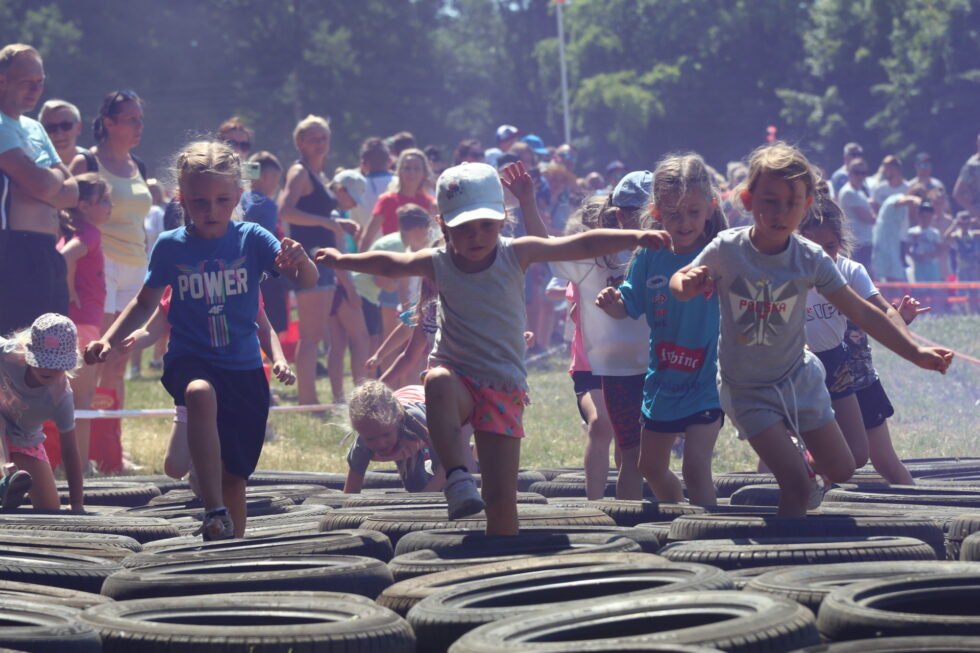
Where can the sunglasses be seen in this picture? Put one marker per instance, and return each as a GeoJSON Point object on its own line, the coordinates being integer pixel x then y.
{"type": "Point", "coordinates": [924, 164]}
{"type": "Point", "coordinates": [55, 127]}
{"type": "Point", "coordinates": [241, 145]}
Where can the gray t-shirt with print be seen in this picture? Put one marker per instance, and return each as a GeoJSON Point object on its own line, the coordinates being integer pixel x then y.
{"type": "Point", "coordinates": [23, 410]}
{"type": "Point", "coordinates": [763, 303]}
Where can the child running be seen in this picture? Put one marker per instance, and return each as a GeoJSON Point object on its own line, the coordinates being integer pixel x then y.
{"type": "Point", "coordinates": [679, 394]}
{"type": "Point", "coordinates": [82, 250]}
{"type": "Point", "coordinates": [768, 380]}
{"type": "Point", "coordinates": [34, 367]}
{"type": "Point", "coordinates": [476, 369]}
{"type": "Point", "coordinates": [213, 365]}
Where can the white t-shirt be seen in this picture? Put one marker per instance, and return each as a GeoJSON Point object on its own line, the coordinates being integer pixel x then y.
{"type": "Point", "coordinates": [884, 190]}
{"type": "Point", "coordinates": [851, 201]}
{"type": "Point", "coordinates": [825, 324]}
{"type": "Point", "coordinates": [613, 347]}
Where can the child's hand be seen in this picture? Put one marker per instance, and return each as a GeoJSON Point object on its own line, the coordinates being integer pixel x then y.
{"type": "Point", "coordinates": [138, 338]}
{"type": "Point", "coordinates": [97, 351]}
{"type": "Point", "coordinates": [283, 372]}
{"type": "Point", "coordinates": [349, 226]}
{"type": "Point", "coordinates": [608, 297]}
{"type": "Point", "coordinates": [327, 257]}
{"type": "Point", "coordinates": [291, 254]}
{"type": "Point", "coordinates": [516, 179]}
{"type": "Point", "coordinates": [653, 239]}
{"type": "Point", "coordinates": [371, 363]}
{"type": "Point", "coordinates": [909, 309]}
{"type": "Point", "coordinates": [529, 339]}
{"type": "Point", "coordinates": [934, 358]}
{"type": "Point", "coordinates": [697, 281]}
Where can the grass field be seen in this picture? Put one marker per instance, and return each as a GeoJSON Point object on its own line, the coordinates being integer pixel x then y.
{"type": "Point", "coordinates": [935, 415]}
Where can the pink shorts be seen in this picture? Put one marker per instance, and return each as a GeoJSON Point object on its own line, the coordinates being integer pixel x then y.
{"type": "Point", "coordinates": [494, 411]}
{"type": "Point", "coordinates": [87, 333]}
{"type": "Point", "coordinates": [37, 451]}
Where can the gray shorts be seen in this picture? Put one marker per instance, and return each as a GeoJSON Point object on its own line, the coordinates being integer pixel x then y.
{"type": "Point", "coordinates": [800, 396]}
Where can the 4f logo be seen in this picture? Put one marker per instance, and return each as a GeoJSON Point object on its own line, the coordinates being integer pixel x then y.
{"type": "Point", "coordinates": [217, 309]}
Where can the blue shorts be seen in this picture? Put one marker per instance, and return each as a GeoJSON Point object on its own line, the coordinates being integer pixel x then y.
{"type": "Point", "coordinates": [326, 281]}
{"type": "Point", "coordinates": [389, 299]}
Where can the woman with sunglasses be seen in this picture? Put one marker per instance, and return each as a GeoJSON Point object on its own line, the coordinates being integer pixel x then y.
{"type": "Point", "coordinates": [117, 130]}
{"type": "Point", "coordinates": [63, 122]}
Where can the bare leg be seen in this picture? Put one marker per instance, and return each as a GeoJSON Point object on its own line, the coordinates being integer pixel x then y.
{"type": "Point", "coordinates": [851, 424]}
{"type": "Point", "coordinates": [599, 436]}
{"type": "Point", "coordinates": [312, 307]}
{"type": "Point", "coordinates": [335, 358]}
{"type": "Point", "coordinates": [885, 459]}
{"type": "Point", "coordinates": [202, 439]}
{"type": "Point", "coordinates": [233, 494]}
{"type": "Point", "coordinates": [654, 464]}
{"type": "Point", "coordinates": [447, 405]}
{"type": "Point", "coordinates": [831, 455]}
{"type": "Point", "coordinates": [500, 458]}
{"type": "Point", "coordinates": [629, 483]}
{"type": "Point", "coordinates": [44, 492]}
{"type": "Point", "coordinates": [389, 320]}
{"type": "Point", "coordinates": [177, 462]}
{"type": "Point", "coordinates": [782, 456]}
{"type": "Point", "coordinates": [699, 445]}
{"type": "Point", "coordinates": [113, 371]}
{"type": "Point", "coordinates": [352, 320]}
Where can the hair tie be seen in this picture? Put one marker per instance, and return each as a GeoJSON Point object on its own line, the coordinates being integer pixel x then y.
{"type": "Point", "coordinates": [654, 211]}
{"type": "Point", "coordinates": [746, 197]}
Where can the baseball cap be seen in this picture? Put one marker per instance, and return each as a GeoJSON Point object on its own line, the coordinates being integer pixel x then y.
{"type": "Point", "coordinates": [536, 144]}
{"type": "Point", "coordinates": [633, 189]}
{"type": "Point", "coordinates": [469, 191]}
{"type": "Point", "coordinates": [54, 343]}
{"type": "Point", "coordinates": [615, 165]}
{"type": "Point", "coordinates": [507, 131]}
{"type": "Point", "coordinates": [354, 183]}
{"type": "Point", "coordinates": [853, 149]}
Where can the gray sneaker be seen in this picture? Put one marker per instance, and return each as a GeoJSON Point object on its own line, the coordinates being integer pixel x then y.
{"type": "Point", "coordinates": [462, 495]}
{"type": "Point", "coordinates": [14, 488]}
{"type": "Point", "coordinates": [217, 525]}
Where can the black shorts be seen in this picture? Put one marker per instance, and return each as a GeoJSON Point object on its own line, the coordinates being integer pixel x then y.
{"type": "Point", "coordinates": [839, 381]}
{"type": "Point", "coordinates": [680, 425]}
{"type": "Point", "coordinates": [372, 317]}
{"type": "Point", "coordinates": [875, 406]}
{"type": "Point", "coordinates": [243, 407]}
{"type": "Point", "coordinates": [584, 382]}
{"type": "Point", "coordinates": [35, 279]}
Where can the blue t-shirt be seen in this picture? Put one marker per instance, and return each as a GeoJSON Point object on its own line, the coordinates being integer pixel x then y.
{"type": "Point", "coordinates": [683, 338]}
{"type": "Point", "coordinates": [29, 135]}
{"type": "Point", "coordinates": [258, 208]}
{"type": "Point", "coordinates": [215, 292]}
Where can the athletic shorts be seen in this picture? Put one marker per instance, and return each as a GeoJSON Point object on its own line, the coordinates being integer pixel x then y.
{"type": "Point", "coordinates": [802, 397]}
{"type": "Point", "coordinates": [389, 299]}
{"type": "Point", "coordinates": [680, 425]}
{"type": "Point", "coordinates": [494, 411]}
{"type": "Point", "coordinates": [875, 406]}
{"type": "Point", "coordinates": [372, 317]}
{"type": "Point", "coordinates": [326, 281]}
{"type": "Point", "coordinates": [584, 382]}
{"type": "Point", "coordinates": [624, 404]}
{"type": "Point", "coordinates": [33, 279]}
{"type": "Point", "coordinates": [243, 407]}
{"type": "Point", "coordinates": [839, 381]}
{"type": "Point", "coordinates": [37, 451]}
{"type": "Point", "coordinates": [122, 283]}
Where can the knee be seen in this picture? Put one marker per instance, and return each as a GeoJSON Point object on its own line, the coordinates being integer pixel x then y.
{"type": "Point", "coordinates": [199, 393]}
{"type": "Point", "coordinates": [438, 381]}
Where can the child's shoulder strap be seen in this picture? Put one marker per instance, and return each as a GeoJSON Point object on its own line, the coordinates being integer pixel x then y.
{"type": "Point", "coordinates": [91, 163]}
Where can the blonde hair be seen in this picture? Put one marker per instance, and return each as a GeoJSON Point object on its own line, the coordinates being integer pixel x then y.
{"type": "Point", "coordinates": [22, 338]}
{"type": "Point", "coordinates": [374, 401]}
{"type": "Point", "coordinates": [395, 185]}
{"type": "Point", "coordinates": [784, 161]}
{"type": "Point", "coordinates": [675, 176]}
{"type": "Point", "coordinates": [11, 52]}
{"type": "Point", "coordinates": [208, 158]}
{"type": "Point", "coordinates": [308, 123]}
{"type": "Point", "coordinates": [54, 105]}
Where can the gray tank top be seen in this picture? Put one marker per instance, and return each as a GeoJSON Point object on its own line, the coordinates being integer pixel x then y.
{"type": "Point", "coordinates": [481, 319]}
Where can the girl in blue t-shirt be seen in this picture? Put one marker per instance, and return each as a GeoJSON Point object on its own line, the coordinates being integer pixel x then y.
{"type": "Point", "coordinates": [213, 365]}
{"type": "Point", "coordinates": [680, 396]}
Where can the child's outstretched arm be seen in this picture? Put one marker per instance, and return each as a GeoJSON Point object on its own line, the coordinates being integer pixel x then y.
{"type": "Point", "coordinates": [293, 263]}
{"type": "Point", "coordinates": [516, 179]}
{"type": "Point", "coordinates": [133, 316]}
{"type": "Point", "coordinates": [881, 328]}
{"type": "Point", "coordinates": [354, 482]}
{"type": "Point", "coordinates": [588, 244]}
{"type": "Point", "coordinates": [385, 264]}
{"type": "Point", "coordinates": [269, 341]}
{"type": "Point", "coordinates": [691, 281]}
{"type": "Point", "coordinates": [149, 333]}
{"type": "Point", "coordinates": [611, 301]}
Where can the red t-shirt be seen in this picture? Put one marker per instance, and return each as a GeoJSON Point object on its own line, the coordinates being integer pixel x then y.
{"type": "Point", "coordinates": [389, 203]}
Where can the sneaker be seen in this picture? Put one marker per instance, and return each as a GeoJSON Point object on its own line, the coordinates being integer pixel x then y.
{"type": "Point", "coordinates": [14, 488]}
{"type": "Point", "coordinates": [155, 364]}
{"type": "Point", "coordinates": [461, 495]}
{"type": "Point", "coordinates": [133, 373]}
{"type": "Point", "coordinates": [217, 525]}
{"type": "Point", "coordinates": [820, 486]}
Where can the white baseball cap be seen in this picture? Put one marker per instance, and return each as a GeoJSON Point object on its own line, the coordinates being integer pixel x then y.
{"type": "Point", "coordinates": [54, 343]}
{"type": "Point", "coordinates": [470, 191]}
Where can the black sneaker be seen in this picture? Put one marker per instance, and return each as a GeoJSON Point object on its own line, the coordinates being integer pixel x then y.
{"type": "Point", "coordinates": [14, 488]}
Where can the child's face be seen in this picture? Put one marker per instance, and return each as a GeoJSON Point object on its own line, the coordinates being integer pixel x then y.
{"type": "Point", "coordinates": [415, 239]}
{"type": "Point", "coordinates": [35, 377]}
{"type": "Point", "coordinates": [377, 438]}
{"type": "Point", "coordinates": [209, 200]}
{"type": "Point", "coordinates": [685, 221]}
{"type": "Point", "coordinates": [96, 212]}
{"type": "Point", "coordinates": [345, 200]}
{"type": "Point", "coordinates": [826, 238]}
{"type": "Point", "coordinates": [778, 206]}
{"type": "Point", "coordinates": [474, 243]}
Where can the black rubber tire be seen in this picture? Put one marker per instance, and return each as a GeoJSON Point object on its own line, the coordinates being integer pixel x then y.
{"type": "Point", "coordinates": [708, 527]}
{"type": "Point", "coordinates": [761, 552]}
{"type": "Point", "coordinates": [631, 513]}
{"type": "Point", "coordinates": [970, 549]}
{"type": "Point", "coordinates": [575, 489]}
{"type": "Point", "coordinates": [911, 644]}
{"type": "Point", "coordinates": [163, 482]}
{"type": "Point", "coordinates": [329, 498]}
{"type": "Point", "coordinates": [331, 480]}
{"type": "Point", "coordinates": [420, 499]}
{"type": "Point", "coordinates": [736, 622]}
{"type": "Point", "coordinates": [141, 529]}
{"type": "Point", "coordinates": [67, 538]}
{"type": "Point", "coordinates": [320, 573]}
{"type": "Point", "coordinates": [959, 529]}
{"type": "Point", "coordinates": [947, 604]}
{"type": "Point", "coordinates": [300, 622]}
{"type": "Point", "coordinates": [403, 595]}
{"type": "Point", "coordinates": [726, 484]}
{"type": "Point", "coordinates": [377, 479]}
{"type": "Point", "coordinates": [811, 584]}
{"type": "Point", "coordinates": [919, 467]}
{"type": "Point", "coordinates": [295, 493]}
{"type": "Point", "coordinates": [443, 537]}
{"type": "Point", "coordinates": [551, 473]}
{"type": "Point", "coordinates": [910, 494]}
{"type": "Point", "coordinates": [112, 492]}
{"type": "Point", "coordinates": [359, 543]}
{"type": "Point", "coordinates": [395, 526]}
{"type": "Point", "coordinates": [345, 518]}
{"type": "Point", "coordinates": [442, 618]}
{"type": "Point", "coordinates": [45, 628]}
{"type": "Point", "coordinates": [477, 550]}
{"type": "Point", "coordinates": [742, 577]}
{"type": "Point", "coordinates": [11, 589]}
{"type": "Point", "coordinates": [755, 495]}
{"type": "Point", "coordinates": [255, 506]}
{"type": "Point", "coordinates": [56, 568]}
{"type": "Point", "coordinates": [306, 516]}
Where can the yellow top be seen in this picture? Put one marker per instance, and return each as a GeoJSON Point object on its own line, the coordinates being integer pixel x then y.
{"type": "Point", "coordinates": [124, 236]}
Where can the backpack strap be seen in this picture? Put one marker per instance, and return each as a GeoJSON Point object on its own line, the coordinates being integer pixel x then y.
{"type": "Point", "coordinates": [91, 163]}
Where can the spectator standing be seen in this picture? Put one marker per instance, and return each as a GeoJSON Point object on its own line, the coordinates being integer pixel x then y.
{"type": "Point", "coordinates": [412, 175]}
{"type": "Point", "coordinates": [890, 182]}
{"type": "Point", "coordinates": [376, 168]}
{"type": "Point", "coordinates": [63, 122]}
{"type": "Point", "coordinates": [923, 172]}
{"type": "Point", "coordinates": [857, 210]}
{"type": "Point", "coordinates": [967, 188]}
{"type": "Point", "coordinates": [506, 136]}
{"type": "Point", "coordinates": [258, 205]}
{"type": "Point", "coordinates": [839, 177]}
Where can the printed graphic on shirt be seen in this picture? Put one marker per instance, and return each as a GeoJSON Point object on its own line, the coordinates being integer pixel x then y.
{"type": "Point", "coordinates": [675, 357]}
{"type": "Point", "coordinates": [825, 311]}
{"type": "Point", "coordinates": [760, 310]}
{"type": "Point", "coordinates": [213, 281]}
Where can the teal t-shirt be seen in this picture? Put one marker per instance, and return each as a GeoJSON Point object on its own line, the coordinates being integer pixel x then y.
{"type": "Point", "coordinates": [683, 338]}
{"type": "Point", "coordinates": [364, 283]}
{"type": "Point", "coordinates": [29, 135]}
